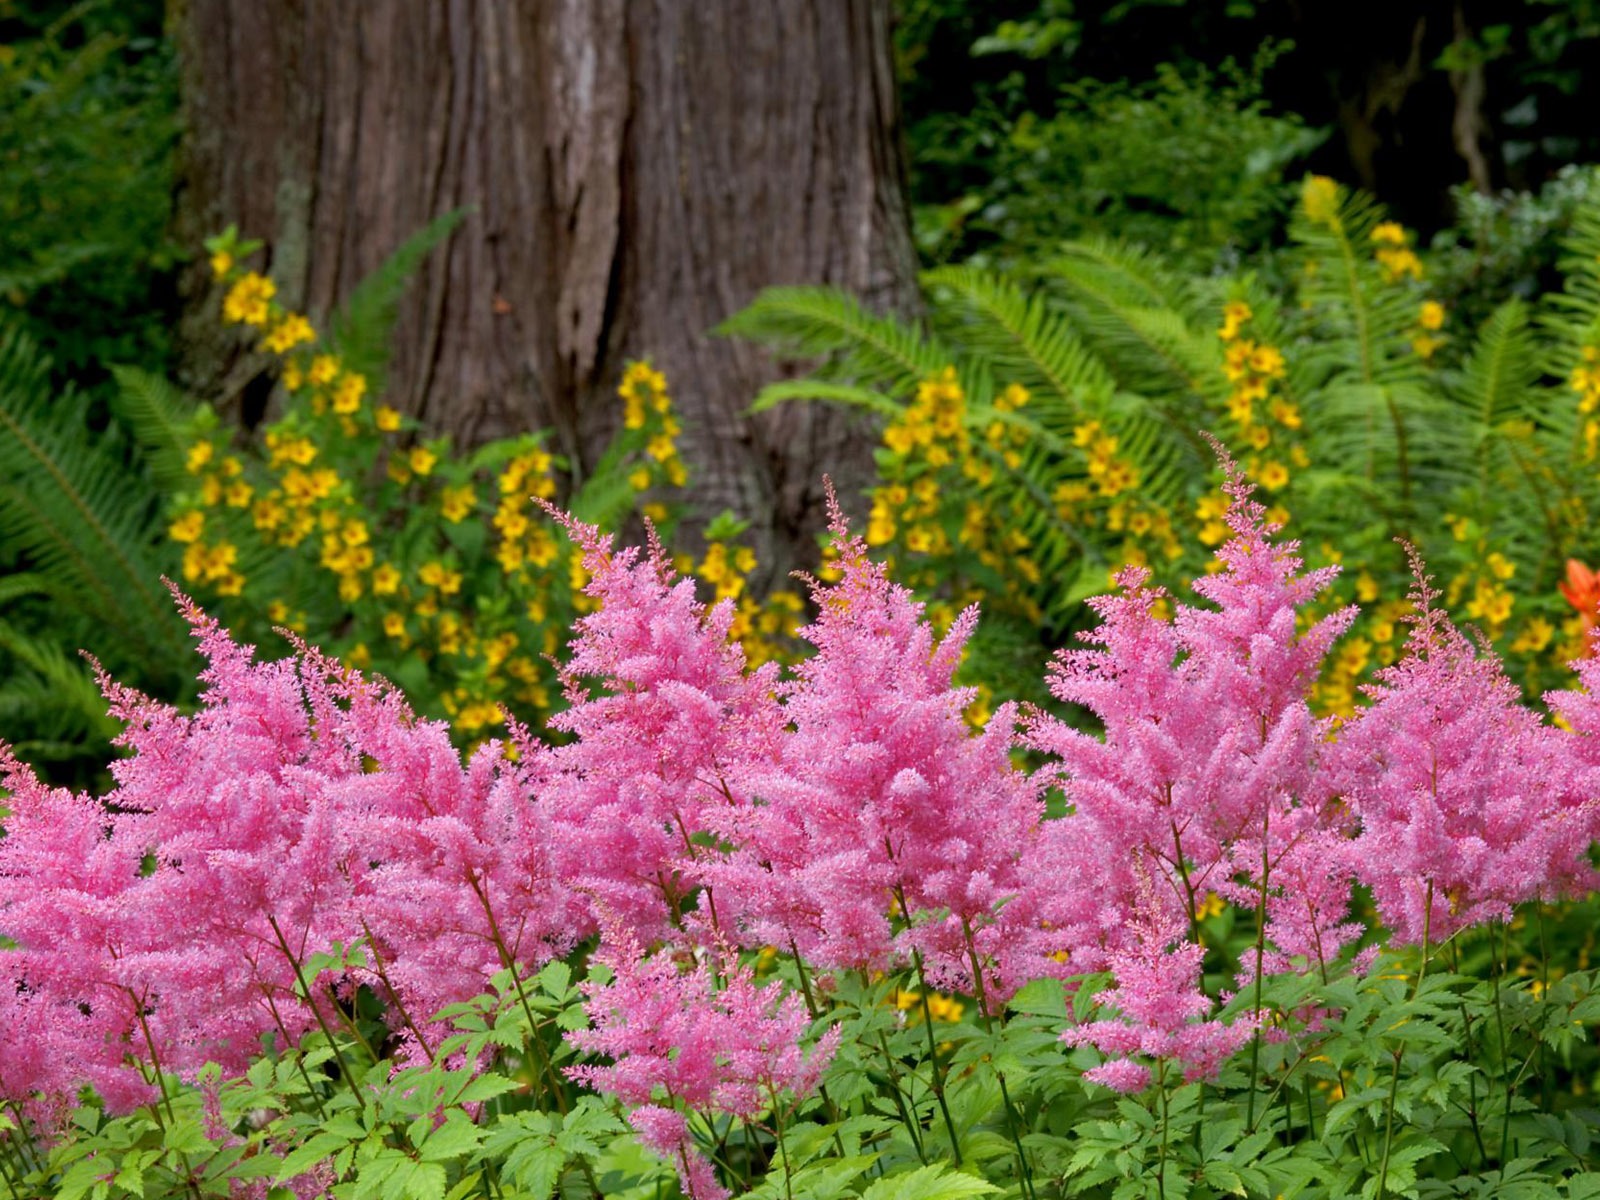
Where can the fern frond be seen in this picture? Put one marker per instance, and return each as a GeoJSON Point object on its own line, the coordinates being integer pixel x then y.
{"type": "Point", "coordinates": [1021, 337]}
{"type": "Point", "coordinates": [847, 394]}
{"type": "Point", "coordinates": [72, 506]}
{"type": "Point", "coordinates": [1139, 319]}
{"type": "Point", "coordinates": [825, 323]}
{"type": "Point", "coordinates": [158, 417]}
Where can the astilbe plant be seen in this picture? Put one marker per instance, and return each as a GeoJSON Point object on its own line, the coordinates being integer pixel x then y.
{"type": "Point", "coordinates": [1466, 801]}
{"type": "Point", "coordinates": [661, 751]}
{"type": "Point", "coordinates": [883, 802]}
{"type": "Point", "coordinates": [1207, 778]}
{"type": "Point", "coordinates": [848, 814]}
{"type": "Point", "coordinates": [682, 1042]}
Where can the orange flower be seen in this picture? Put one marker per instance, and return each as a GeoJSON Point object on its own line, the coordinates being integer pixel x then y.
{"type": "Point", "coordinates": [1582, 590]}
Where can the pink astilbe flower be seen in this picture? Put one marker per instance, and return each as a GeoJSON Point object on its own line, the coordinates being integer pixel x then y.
{"type": "Point", "coordinates": [675, 1037]}
{"type": "Point", "coordinates": [1158, 1000]}
{"type": "Point", "coordinates": [1209, 749]}
{"type": "Point", "coordinates": [1463, 795]}
{"type": "Point", "coordinates": [659, 754]}
{"type": "Point", "coordinates": [1208, 774]}
{"type": "Point", "coordinates": [884, 795]}
{"type": "Point", "coordinates": [65, 1016]}
{"type": "Point", "coordinates": [455, 879]}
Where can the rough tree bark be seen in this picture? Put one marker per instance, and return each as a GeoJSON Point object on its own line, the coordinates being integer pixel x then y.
{"type": "Point", "coordinates": [637, 171]}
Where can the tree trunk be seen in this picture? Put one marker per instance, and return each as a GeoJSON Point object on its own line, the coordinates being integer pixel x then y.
{"type": "Point", "coordinates": [636, 171]}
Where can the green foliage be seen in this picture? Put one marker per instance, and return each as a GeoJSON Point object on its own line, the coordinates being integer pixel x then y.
{"type": "Point", "coordinates": [1463, 1073]}
{"type": "Point", "coordinates": [87, 137]}
{"type": "Point", "coordinates": [1365, 408]}
{"type": "Point", "coordinates": [81, 522]}
{"type": "Point", "coordinates": [1189, 161]}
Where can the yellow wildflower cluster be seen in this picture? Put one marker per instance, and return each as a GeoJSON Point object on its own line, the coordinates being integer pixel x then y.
{"type": "Point", "coordinates": [524, 542]}
{"type": "Point", "coordinates": [648, 407]}
{"type": "Point", "coordinates": [1480, 591]}
{"type": "Point", "coordinates": [1262, 415]}
{"type": "Point", "coordinates": [765, 629]}
{"type": "Point", "coordinates": [940, 1006]}
{"type": "Point", "coordinates": [934, 423]}
{"type": "Point", "coordinates": [1109, 473]}
{"type": "Point", "coordinates": [1585, 381]}
{"type": "Point", "coordinates": [1393, 252]}
{"type": "Point", "coordinates": [1375, 643]}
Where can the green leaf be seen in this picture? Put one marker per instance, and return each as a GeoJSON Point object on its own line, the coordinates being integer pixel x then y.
{"type": "Point", "coordinates": [933, 1182]}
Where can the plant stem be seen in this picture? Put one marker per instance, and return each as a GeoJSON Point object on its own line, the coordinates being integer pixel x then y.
{"type": "Point", "coordinates": [1013, 1124]}
{"type": "Point", "coordinates": [316, 1011]}
{"type": "Point", "coordinates": [1399, 1052]}
{"type": "Point", "coordinates": [912, 1127]}
{"type": "Point", "coordinates": [1261, 947]}
{"type": "Point", "coordinates": [933, 1056]}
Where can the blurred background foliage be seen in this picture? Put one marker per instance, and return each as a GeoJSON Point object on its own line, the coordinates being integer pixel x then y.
{"type": "Point", "coordinates": [1094, 188]}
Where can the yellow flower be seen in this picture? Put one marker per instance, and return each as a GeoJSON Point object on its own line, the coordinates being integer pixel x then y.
{"type": "Point", "coordinates": [188, 527]}
{"type": "Point", "coordinates": [1234, 314]}
{"type": "Point", "coordinates": [288, 333]}
{"type": "Point", "coordinates": [221, 263]}
{"type": "Point", "coordinates": [436, 574]}
{"type": "Point", "coordinates": [422, 460]}
{"type": "Point", "coordinates": [1273, 475]}
{"type": "Point", "coordinates": [1319, 196]}
{"type": "Point", "coordinates": [394, 624]}
{"type": "Point", "coordinates": [639, 479]}
{"type": "Point", "coordinates": [238, 493]}
{"type": "Point", "coordinates": [294, 376]}
{"type": "Point", "coordinates": [1431, 315]}
{"type": "Point", "coordinates": [199, 455]}
{"type": "Point", "coordinates": [211, 491]}
{"type": "Point", "coordinates": [385, 580]}
{"type": "Point", "coordinates": [387, 419]}
{"type": "Point", "coordinates": [456, 503]}
{"type": "Point", "coordinates": [323, 369]}
{"type": "Point", "coordinates": [347, 396]}
{"type": "Point", "coordinates": [248, 300]}
{"type": "Point", "coordinates": [1389, 233]}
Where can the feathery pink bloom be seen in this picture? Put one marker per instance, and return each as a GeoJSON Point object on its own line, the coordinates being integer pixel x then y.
{"type": "Point", "coordinates": [659, 754]}
{"type": "Point", "coordinates": [1462, 794]}
{"type": "Point", "coordinates": [883, 795]}
{"type": "Point", "coordinates": [675, 1037]}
